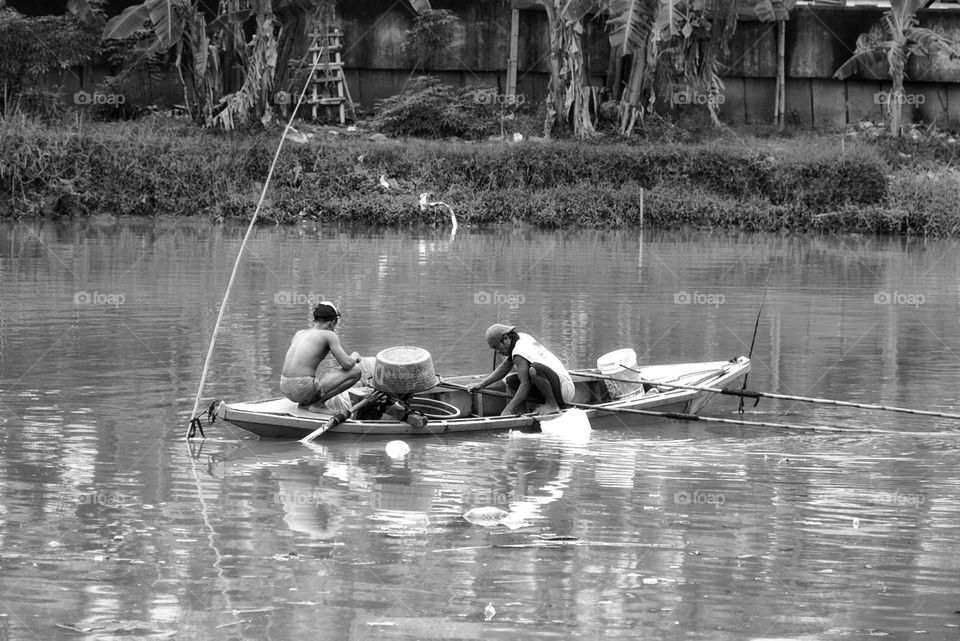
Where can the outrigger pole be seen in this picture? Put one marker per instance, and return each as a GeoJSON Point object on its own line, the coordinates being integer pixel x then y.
{"type": "Point", "coordinates": [745, 393]}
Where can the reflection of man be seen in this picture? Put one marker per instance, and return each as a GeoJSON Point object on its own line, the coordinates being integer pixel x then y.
{"type": "Point", "coordinates": [308, 506]}
{"type": "Point", "coordinates": [540, 375]}
{"type": "Point", "coordinates": [299, 380]}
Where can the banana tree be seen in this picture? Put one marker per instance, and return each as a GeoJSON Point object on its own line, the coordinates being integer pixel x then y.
{"type": "Point", "coordinates": [226, 79]}
{"type": "Point", "coordinates": [566, 99]}
{"type": "Point", "coordinates": [677, 42]}
{"type": "Point", "coordinates": [668, 42]}
{"type": "Point", "coordinates": [892, 42]}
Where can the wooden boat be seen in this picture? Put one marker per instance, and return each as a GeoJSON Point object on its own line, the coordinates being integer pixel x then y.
{"type": "Point", "coordinates": [450, 408]}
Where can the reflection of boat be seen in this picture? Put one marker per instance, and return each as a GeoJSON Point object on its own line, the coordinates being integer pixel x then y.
{"type": "Point", "coordinates": [450, 408]}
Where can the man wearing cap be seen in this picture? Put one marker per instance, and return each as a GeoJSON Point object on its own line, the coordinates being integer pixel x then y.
{"type": "Point", "coordinates": [536, 368]}
{"type": "Point", "coordinates": [299, 380]}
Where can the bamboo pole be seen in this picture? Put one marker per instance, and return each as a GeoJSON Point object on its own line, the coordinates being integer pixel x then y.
{"type": "Point", "coordinates": [745, 393]}
{"type": "Point", "coordinates": [781, 74]}
{"type": "Point", "coordinates": [195, 418]}
{"type": "Point", "coordinates": [514, 49]}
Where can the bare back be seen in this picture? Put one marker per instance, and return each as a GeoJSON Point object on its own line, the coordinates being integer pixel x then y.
{"type": "Point", "coordinates": [308, 348]}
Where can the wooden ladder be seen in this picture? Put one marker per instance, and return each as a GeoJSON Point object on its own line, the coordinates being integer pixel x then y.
{"type": "Point", "coordinates": [328, 86]}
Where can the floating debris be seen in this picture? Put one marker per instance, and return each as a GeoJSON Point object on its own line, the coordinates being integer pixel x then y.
{"type": "Point", "coordinates": [486, 516]}
{"type": "Point", "coordinates": [397, 449]}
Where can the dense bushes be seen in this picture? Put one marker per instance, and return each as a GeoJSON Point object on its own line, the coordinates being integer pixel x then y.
{"type": "Point", "coordinates": [428, 109]}
{"type": "Point", "coordinates": [150, 169]}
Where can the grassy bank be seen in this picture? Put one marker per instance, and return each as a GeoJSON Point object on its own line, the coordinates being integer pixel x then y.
{"type": "Point", "coordinates": [161, 167]}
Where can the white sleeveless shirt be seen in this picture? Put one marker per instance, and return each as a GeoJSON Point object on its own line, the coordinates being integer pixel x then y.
{"type": "Point", "coordinates": [528, 347]}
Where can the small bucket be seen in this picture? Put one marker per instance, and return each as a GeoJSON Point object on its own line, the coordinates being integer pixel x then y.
{"type": "Point", "coordinates": [617, 365]}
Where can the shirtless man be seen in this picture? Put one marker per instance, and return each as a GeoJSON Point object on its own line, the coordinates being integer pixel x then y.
{"type": "Point", "coordinates": [299, 381]}
{"type": "Point", "coordinates": [537, 369]}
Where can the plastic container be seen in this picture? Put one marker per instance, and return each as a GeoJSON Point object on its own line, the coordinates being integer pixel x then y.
{"type": "Point", "coordinates": [617, 365]}
{"type": "Point", "coordinates": [404, 370]}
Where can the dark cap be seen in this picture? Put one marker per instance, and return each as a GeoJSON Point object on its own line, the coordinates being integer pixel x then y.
{"type": "Point", "coordinates": [496, 332]}
{"type": "Point", "coordinates": [325, 310]}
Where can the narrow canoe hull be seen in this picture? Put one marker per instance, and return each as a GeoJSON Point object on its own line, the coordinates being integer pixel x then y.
{"type": "Point", "coordinates": [283, 419]}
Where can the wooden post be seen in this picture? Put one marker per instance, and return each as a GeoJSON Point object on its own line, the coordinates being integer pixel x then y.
{"type": "Point", "coordinates": [781, 107]}
{"type": "Point", "coordinates": [514, 51]}
{"type": "Point", "coordinates": [641, 208]}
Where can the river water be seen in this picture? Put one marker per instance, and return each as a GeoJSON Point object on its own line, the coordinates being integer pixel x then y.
{"type": "Point", "coordinates": [112, 526]}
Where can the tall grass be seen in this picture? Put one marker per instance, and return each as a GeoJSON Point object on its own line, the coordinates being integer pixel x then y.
{"type": "Point", "coordinates": [162, 167]}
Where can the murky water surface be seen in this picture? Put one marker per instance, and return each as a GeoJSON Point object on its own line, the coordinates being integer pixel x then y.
{"type": "Point", "coordinates": [112, 527]}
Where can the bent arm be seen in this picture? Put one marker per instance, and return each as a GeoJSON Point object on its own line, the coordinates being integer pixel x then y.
{"type": "Point", "coordinates": [347, 361]}
{"type": "Point", "coordinates": [502, 370]}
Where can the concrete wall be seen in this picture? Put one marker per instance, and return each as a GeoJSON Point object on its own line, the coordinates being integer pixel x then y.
{"type": "Point", "coordinates": [379, 66]}
{"type": "Point", "coordinates": [818, 41]}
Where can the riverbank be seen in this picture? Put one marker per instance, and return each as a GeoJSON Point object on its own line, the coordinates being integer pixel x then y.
{"type": "Point", "coordinates": [163, 167]}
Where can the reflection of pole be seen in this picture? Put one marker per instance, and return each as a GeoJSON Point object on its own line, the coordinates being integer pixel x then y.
{"type": "Point", "coordinates": [512, 61]}
{"type": "Point", "coordinates": [640, 258]}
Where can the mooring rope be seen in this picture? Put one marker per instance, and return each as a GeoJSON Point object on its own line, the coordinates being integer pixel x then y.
{"type": "Point", "coordinates": [195, 418]}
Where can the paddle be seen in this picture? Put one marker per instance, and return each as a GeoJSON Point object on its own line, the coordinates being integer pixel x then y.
{"type": "Point", "coordinates": [682, 416]}
{"type": "Point", "coordinates": [745, 393]}
{"type": "Point", "coordinates": [341, 416]}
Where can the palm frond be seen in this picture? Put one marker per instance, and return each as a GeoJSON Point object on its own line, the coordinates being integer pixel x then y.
{"type": "Point", "coordinates": [631, 23]}
{"type": "Point", "coordinates": [865, 62]}
{"type": "Point", "coordinates": [127, 23]}
{"type": "Point", "coordinates": [929, 41]}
